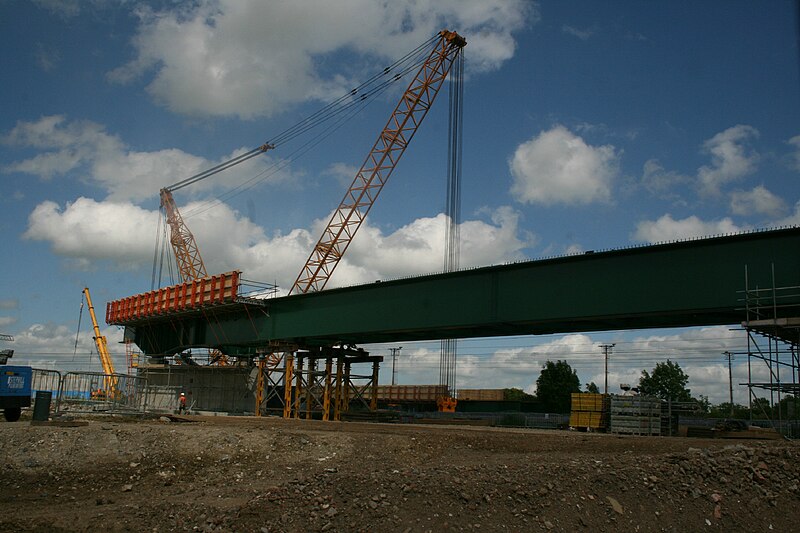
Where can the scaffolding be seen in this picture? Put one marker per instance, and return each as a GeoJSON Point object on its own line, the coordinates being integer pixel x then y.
{"type": "Point", "coordinates": [318, 383]}
{"type": "Point", "coordinates": [772, 323]}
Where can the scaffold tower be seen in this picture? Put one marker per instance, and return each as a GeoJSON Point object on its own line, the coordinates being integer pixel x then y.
{"type": "Point", "coordinates": [773, 362]}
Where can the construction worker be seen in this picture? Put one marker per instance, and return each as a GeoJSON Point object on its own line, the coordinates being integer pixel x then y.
{"type": "Point", "coordinates": [182, 403]}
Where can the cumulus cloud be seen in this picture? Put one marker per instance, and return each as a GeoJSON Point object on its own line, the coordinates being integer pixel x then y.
{"type": "Point", "coordinates": [732, 158]}
{"type": "Point", "coordinates": [121, 233]}
{"type": "Point", "coordinates": [793, 219]}
{"type": "Point", "coordinates": [249, 58]}
{"type": "Point", "coordinates": [657, 180]}
{"type": "Point", "coordinates": [559, 167]}
{"type": "Point", "coordinates": [583, 35]}
{"type": "Point", "coordinates": [104, 160]}
{"type": "Point", "coordinates": [759, 200]}
{"type": "Point", "coordinates": [697, 350]}
{"type": "Point", "coordinates": [65, 9]}
{"type": "Point", "coordinates": [795, 156]}
{"type": "Point", "coordinates": [483, 364]}
{"type": "Point", "coordinates": [667, 228]}
{"type": "Point", "coordinates": [52, 347]}
{"type": "Point", "coordinates": [418, 247]}
{"type": "Point", "coordinates": [86, 230]}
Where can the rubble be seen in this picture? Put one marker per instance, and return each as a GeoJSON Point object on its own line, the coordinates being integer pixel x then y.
{"type": "Point", "coordinates": [275, 475]}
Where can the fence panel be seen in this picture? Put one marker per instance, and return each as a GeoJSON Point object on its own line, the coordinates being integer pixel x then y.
{"type": "Point", "coordinates": [95, 391]}
{"type": "Point", "coordinates": [45, 380]}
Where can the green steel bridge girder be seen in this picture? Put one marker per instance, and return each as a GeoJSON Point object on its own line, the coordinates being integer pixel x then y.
{"type": "Point", "coordinates": [690, 283]}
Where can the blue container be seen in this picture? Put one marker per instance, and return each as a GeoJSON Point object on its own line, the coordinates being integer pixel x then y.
{"type": "Point", "coordinates": [15, 382]}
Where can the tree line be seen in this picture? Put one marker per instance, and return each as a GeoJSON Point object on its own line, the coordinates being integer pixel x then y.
{"type": "Point", "coordinates": [667, 380]}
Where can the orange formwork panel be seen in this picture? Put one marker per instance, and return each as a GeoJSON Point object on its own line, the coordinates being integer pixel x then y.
{"type": "Point", "coordinates": [192, 295]}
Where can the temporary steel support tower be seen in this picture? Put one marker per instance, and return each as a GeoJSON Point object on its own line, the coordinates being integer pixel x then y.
{"type": "Point", "coordinates": [316, 383]}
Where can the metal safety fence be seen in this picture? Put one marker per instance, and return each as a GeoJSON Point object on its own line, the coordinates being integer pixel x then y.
{"type": "Point", "coordinates": [45, 381]}
{"type": "Point", "coordinates": [95, 391]}
{"type": "Point", "coordinates": [503, 419]}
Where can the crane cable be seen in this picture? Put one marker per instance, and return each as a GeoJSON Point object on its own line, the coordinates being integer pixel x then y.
{"type": "Point", "coordinates": [449, 347]}
{"type": "Point", "coordinates": [343, 114]}
{"type": "Point", "coordinates": [78, 332]}
{"type": "Point", "coordinates": [333, 116]}
{"type": "Point", "coordinates": [315, 119]}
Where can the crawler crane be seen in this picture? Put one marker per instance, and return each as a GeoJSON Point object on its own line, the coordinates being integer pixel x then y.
{"type": "Point", "coordinates": [378, 166]}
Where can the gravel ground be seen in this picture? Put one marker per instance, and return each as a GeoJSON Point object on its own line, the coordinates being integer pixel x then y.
{"type": "Point", "coordinates": [272, 475]}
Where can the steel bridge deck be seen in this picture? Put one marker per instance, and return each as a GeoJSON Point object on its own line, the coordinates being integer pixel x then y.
{"type": "Point", "coordinates": [690, 283]}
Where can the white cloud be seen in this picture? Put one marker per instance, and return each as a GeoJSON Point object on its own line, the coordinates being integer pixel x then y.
{"type": "Point", "coordinates": [249, 58]}
{"type": "Point", "coordinates": [558, 166]}
{"type": "Point", "coordinates": [795, 141]}
{"type": "Point", "coordinates": [583, 35]}
{"type": "Point", "coordinates": [52, 347]}
{"type": "Point", "coordinates": [697, 350]}
{"type": "Point", "coordinates": [667, 228]}
{"type": "Point", "coordinates": [9, 303]}
{"type": "Point", "coordinates": [791, 220]}
{"type": "Point", "coordinates": [47, 57]}
{"type": "Point", "coordinates": [657, 180]}
{"type": "Point", "coordinates": [418, 247]}
{"type": "Point", "coordinates": [87, 231]}
{"type": "Point", "coordinates": [759, 200]}
{"type": "Point", "coordinates": [104, 160]}
{"type": "Point", "coordinates": [65, 9]}
{"type": "Point", "coordinates": [343, 173]}
{"type": "Point", "coordinates": [731, 158]}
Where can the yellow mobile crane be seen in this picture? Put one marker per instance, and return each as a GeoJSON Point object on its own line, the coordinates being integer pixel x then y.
{"type": "Point", "coordinates": [110, 381]}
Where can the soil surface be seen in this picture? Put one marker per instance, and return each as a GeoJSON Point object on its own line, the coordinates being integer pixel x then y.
{"type": "Point", "coordinates": [271, 475]}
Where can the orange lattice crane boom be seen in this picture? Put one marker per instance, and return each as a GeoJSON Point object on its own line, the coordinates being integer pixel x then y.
{"type": "Point", "coordinates": [379, 164]}
{"type": "Point", "coordinates": [187, 254]}
{"type": "Point", "coordinates": [184, 246]}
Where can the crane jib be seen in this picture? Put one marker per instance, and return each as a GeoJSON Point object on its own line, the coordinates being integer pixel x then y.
{"type": "Point", "coordinates": [379, 164]}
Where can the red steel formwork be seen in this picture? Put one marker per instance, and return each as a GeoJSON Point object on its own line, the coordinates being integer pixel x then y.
{"type": "Point", "coordinates": [192, 295]}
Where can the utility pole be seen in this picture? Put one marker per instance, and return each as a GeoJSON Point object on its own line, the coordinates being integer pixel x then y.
{"type": "Point", "coordinates": [729, 355]}
{"type": "Point", "coordinates": [395, 352]}
{"type": "Point", "coordinates": [606, 351]}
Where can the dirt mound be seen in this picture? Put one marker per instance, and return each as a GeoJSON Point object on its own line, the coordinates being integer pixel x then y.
{"type": "Point", "coordinates": [271, 475]}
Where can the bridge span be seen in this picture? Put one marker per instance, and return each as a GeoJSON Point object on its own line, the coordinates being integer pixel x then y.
{"type": "Point", "coordinates": [690, 283]}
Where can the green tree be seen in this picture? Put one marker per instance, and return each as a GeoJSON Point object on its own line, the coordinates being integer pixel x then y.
{"type": "Point", "coordinates": [592, 387]}
{"type": "Point", "coordinates": [555, 386]}
{"type": "Point", "coordinates": [761, 408]}
{"type": "Point", "coordinates": [517, 395]}
{"type": "Point", "coordinates": [703, 404]}
{"type": "Point", "coordinates": [723, 410]}
{"type": "Point", "coordinates": [668, 382]}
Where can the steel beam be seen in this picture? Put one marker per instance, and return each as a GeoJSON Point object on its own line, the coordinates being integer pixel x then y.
{"type": "Point", "coordinates": [691, 283]}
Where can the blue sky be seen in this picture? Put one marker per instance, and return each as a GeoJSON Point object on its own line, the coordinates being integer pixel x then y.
{"type": "Point", "coordinates": [586, 126]}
